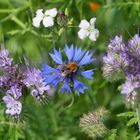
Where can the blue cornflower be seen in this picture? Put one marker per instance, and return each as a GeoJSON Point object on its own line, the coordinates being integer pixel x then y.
{"type": "Point", "coordinates": [67, 71]}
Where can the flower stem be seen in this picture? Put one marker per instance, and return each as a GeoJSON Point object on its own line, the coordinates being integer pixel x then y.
{"type": "Point", "coordinates": [92, 100]}
{"type": "Point", "coordinates": [72, 100]}
{"type": "Point", "coordinates": [18, 22]}
{"type": "Point", "coordinates": [138, 116]}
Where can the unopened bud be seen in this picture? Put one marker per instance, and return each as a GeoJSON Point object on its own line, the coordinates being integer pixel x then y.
{"type": "Point", "coordinates": [62, 19]}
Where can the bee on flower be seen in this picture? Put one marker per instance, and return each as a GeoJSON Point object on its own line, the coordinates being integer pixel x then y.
{"type": "Point", "coordinates": [66, 72]}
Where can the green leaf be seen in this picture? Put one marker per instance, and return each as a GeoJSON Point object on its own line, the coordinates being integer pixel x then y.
{"type": "Point", "coordinates": [61, 31]}
{"type": "Point", "coordinates": [127, 114]}
{"type": "Point", "coordinates": [132, 122]}
{"type": "Point", "coordinates": [66, 12]}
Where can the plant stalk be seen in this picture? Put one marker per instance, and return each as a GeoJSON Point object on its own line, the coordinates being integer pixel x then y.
{"type": "Point", "coordinates": [138, 116]}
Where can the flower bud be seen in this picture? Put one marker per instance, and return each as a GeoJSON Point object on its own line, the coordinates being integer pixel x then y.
{"type": "Point", "coordinates": [62, 19]}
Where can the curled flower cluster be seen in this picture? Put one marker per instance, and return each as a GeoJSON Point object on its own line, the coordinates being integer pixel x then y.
{"type": "Point", "coordinates": [67, 71]}
{"type": "Point", "coordinates": [123, 61]}
{"type": "Point", "coordinates": [14, 79]}
{"type": "Point", "coordinates": [34, 81]}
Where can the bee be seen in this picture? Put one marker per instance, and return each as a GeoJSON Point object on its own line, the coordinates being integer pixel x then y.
{"type": "Point", "coordinates": [68, 69]}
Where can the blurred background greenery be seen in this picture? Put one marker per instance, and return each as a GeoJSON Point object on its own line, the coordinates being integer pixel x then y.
{"type": "Point", "coordinates": [54, 121]}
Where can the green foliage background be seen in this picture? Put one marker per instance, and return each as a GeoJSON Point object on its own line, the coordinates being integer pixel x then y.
{"type": "Point", "coordinates": [54, 121]}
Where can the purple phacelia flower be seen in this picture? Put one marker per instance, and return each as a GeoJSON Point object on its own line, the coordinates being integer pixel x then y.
{"type": "Point", "coordinates": [34, 81]}
{"type": "Point", "coordinates": [124, 57]}
{"type": "Point", "coordinates": [111, 65]}
{"type": "Point", "coordinates": [14, 91]}
{"type": "Point", "coordinates": [66, 72]}
{"type": "Point", "coordinates": [5, 61]}
{"type": "Point", "coordinates": [13, 107]}
{"type": "Point", "coordinates": [117, 45]}
{"type": "Point", "coordinates": [134, 44]}
{"type": "Point", "coordinates": [131, 84]}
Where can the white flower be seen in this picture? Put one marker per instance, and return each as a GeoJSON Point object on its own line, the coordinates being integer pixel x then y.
{"type": "Point", "coordinates": [87, 29]}
{"type": "Point", "coordinates": [47, 17]}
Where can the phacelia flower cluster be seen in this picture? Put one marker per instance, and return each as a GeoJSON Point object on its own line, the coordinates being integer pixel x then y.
{"type": "Point", "coordinates": [67, 71]}
{"type": "Point", "coordinates": [14, 80]}
{"type": "Point", "coordinates": [123, 61]}
{"type": "Point", "coordinates": [34, 81]}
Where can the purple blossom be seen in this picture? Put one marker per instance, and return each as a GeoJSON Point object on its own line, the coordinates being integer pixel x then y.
{"type": "Point", "coordinates": [13, 107]}
{"type": "Point", "coordinates": [124, 57]}
{"type": "Point", "coordinates": [3, 81]}
{"type": "Point", "coordinates": [134, 44]}
{"type": "Point", "coordinates": [5, 61]}
{"type": "Point", "coordinates": [117, 45]}
{"type": "Point", "coordinates": [14, 91]}
{"type": "Point", "coordinates": [131, 84]}
{"type": "Point", "coordinates": [111, 65]}
{"type": "Point", "coordinates": [34, 80]}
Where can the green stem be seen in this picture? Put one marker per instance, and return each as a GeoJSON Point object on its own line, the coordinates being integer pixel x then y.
{"type": "Point", "coordinates": [12, 12]}
{"type": "Point", "coordinates": [138, 116]}
{"type": "Point", "coordinates": [8, 10]}
{"type": "Point", "coordinates": [71, 26]}
{"type": "Point", "coordinates": [31, 6]}
{"type": "Point", "coordinates": [92, 100]}
{"type": "Point", "coordinates": [72, 100]}
{"type": "Point", "coordinates": [19, 22]}
{"type": "Point", "coordinates": [65, 35]}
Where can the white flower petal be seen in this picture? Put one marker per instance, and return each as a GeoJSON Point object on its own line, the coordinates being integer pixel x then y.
{"type": "Point", "coordinates": [92, 21]}
{"type": "Point", "coordinates": [94, 34]}
{"type": "Point", "coordinates": [48, 21]}
{"type": "Point", "coordinates": [83, 33]}
{"type": "Point", "coordinates": [84, 24]}
{"type": "Point", "coordinates": [39, 13]}
{"type": "Point", "coordinates": [51, 12]}
{"type": "Point", "coordinates": [36, 21]}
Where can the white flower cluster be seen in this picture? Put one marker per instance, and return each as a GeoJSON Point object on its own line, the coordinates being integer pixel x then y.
{"type": "Point", "coordinates": [87, 29]}
{"type": "Point", "coordinates": [47, 17]}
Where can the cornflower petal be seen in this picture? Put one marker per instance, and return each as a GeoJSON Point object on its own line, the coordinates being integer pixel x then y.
{"type": "Point", "coordinates": [57, 57]}
{"type": "Point", "coordinates": [78, 54]}
{"type": "Point", "coordinates": [65, 87]}
{"type": "Point", "coordinates": [46, 69]}
{"type": "Point", "coordinates": [79, 86]}
{"type": "Point", "coordinates": [87, 59]}
{"type": "Point", "coordinates": [88, 74]}
{"type": "Point", "coordinates": [69, 52]}
{"type": "Point", "coordinates": [50, 78]}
